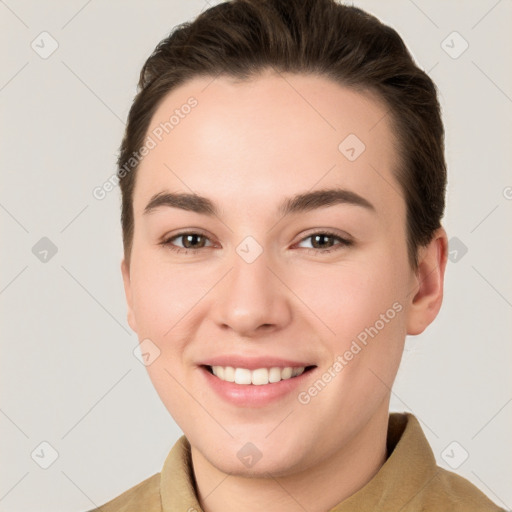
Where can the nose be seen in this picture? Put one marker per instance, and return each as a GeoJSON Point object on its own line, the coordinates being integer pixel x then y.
{"type": "Point", "coordinates": [252, 298]}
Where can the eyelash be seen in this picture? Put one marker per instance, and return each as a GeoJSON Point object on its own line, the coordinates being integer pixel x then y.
{"type": "Point", "coordinates": [343, 243]}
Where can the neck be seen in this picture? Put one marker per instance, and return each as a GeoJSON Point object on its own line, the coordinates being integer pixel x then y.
{"type": "Point", "coordinates": [319, 488]}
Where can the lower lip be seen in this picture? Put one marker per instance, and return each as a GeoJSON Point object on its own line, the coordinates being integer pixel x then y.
{"type": "Point", "coordinates": [250, 395]}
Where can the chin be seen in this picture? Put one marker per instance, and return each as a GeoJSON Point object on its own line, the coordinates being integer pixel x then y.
{"type": "Point", "coordinates": [258, 459]}
{"type": "Point", "coordinates": [261, 469]}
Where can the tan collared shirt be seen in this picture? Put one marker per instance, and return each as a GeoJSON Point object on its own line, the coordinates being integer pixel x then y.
{"type": "Point", "coordinates": [409, 481]}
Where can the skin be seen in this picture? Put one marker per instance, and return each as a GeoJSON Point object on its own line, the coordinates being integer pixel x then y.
{"type": "Point", "coordinates": [247, 146]}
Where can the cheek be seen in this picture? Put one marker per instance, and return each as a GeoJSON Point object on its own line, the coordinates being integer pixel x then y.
{"type": "Point", "coordinates": [163, 295]}
{"type": "Point", "coordinates": [165, 298]}
{"type": "Point", "coordinates": [348, 299]}
{"type": "Point", "coordinates": [364, 305]}
{"type": "Point", "coordinates": [370, 321]}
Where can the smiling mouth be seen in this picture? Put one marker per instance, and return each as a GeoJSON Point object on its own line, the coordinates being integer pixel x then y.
{"type": "Point", "coordinates": [257, 377]}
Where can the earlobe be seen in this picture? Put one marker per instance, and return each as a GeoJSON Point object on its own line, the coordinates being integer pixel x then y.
{"type": "Point", "coordinates": [125, 271]}
{"type": "Point", "coordinates": [427, 296]}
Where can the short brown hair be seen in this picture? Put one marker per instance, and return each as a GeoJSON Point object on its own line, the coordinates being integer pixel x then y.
{"type": "Point", "coordinates": [242, 38]}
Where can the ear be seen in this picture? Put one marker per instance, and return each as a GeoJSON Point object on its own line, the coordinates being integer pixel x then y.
{"type": "Point", "coordinates": [125, 271]}
{"type": "Point", "coordinates": [427, 295]}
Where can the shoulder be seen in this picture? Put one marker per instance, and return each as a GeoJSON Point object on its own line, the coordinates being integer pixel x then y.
{"type": "Point", "coordinates": [417, 481]}
{"type": "Point", "coordinates": [450, 491]}
{"type": "Point", "coordinates": [143, 496]}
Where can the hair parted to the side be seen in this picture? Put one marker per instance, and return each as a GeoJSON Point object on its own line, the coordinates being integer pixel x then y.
{"type": "Point", "coordinates": [243, 38]}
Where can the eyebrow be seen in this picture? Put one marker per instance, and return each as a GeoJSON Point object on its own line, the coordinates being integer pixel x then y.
{"type": "Point", "coordinates": [297, 204]}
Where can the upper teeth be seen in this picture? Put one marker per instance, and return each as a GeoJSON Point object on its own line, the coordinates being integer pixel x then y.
{"type": "Point", "coordinates": [258, 377]}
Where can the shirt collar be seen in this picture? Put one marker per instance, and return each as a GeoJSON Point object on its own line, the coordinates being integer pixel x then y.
{"type": "Point", "coordinates": [410, 466]}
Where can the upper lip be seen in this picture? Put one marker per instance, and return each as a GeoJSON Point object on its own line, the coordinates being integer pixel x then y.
{"type": "Point", "coordinates": [253, 363]}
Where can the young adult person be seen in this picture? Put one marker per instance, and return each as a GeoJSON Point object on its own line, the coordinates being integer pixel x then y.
{"type": "Point", "coordinates": [283, 181]}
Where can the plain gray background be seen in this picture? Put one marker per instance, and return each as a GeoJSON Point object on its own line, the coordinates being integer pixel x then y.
{"type": "Point", "coordinates": [68, 372]}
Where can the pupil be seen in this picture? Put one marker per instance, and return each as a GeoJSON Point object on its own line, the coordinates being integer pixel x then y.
{"type": "Point", "coordinates": [320, 236]}
{"type": "Point", "coordinates": [187, 239]}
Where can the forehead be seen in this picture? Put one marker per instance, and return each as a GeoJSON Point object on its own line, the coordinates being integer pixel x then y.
{"type": "Point", "coordinates": [246, 142]}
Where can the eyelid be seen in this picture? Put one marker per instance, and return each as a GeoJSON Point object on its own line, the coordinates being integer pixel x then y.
{"type": "Point", "coordinates": [188, 231]}
{"type": "Point", "coordinates": [166, 239]}
{"type": "Point", "coordinates": [343, 235]}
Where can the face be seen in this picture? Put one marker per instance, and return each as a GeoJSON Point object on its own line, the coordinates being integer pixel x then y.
{"type": "Point", "coordinates": [256, 279]}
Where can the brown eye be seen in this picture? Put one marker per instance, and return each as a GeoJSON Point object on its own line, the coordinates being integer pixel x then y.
{"type": "Point", "coordinates": [190, 242]}
{"type": "Point", "coordinates": [319, 241]}
{"type": "Point", "coordinates": [324, 242]}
